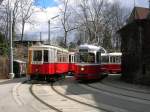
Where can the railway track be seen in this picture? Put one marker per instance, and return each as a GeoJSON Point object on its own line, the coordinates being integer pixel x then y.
{"type": "Point", "coordinates": [64, 96]}
{"type": "Point", "coordinates": [117, 93]}
{"type": "Point", "coordinates": [43, 102]}
{"type": "Point", "coordinates": [75, 100]}
{"type": "Point", "coordinates": [125, 88]}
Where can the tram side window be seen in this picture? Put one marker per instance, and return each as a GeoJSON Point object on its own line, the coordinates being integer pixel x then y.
{"type": "Point", "coordinates": [37, 55]}
{"type": "Point", "coordinates": [65, 57]}
{"type": "Point", "coordinates": [118, 59]}
{"type": "Point", "coordinates": [70, 58]}
{"type": "Point", "coordinates": [77, 57]}
{"type": "Point", "coordinates": [105, 59]}
{"type": "Point", "coordinates": [59, 56]}
{"type": "Point", "coordinates": [98, 57]}
{"type": "Point", "coordinates": [112, 59]}
{"type": "Point", "coordinates": [45, 55]}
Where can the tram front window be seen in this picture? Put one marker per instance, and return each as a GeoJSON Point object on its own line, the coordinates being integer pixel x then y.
{"type": "Point", "coordinates": [87, 57]}
{"type": "Point", "coordinates": [37, 55]}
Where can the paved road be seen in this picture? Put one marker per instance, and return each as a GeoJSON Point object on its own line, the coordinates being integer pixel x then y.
{"type": "Point", "coordinates": [111, 96]}
{"type": "Point", "coordinates": [16, 97]}
{"type": "Point", "coordinates": [7, 100]}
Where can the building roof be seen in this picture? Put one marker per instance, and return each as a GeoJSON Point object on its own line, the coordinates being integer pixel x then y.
{"type": "Point", "coordinates": [139, 13]}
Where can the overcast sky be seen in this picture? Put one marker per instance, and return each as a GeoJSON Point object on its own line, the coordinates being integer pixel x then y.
{"type": "Point", "coordinates": [51, 9]}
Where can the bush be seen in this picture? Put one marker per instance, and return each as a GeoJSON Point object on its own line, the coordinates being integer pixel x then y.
{"type": "Point", "coordinates": [3, 45]}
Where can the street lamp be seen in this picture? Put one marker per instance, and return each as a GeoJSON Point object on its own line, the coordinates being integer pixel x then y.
{"type": "Point", "coordinates": [49, 22]}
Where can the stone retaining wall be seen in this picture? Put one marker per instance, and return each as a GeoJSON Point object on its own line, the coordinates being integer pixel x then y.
{"type": "Point", "coordinates": [4, 67]}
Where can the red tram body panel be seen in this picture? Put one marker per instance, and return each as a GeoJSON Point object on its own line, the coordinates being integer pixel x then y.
{"type": "Point", "coordinates": [62, 68]}
{"type": "Point", "coordinates": [87, 72]}
{"type": "Point", "coordinates": [114, 68]}
{"type": "Point", "coordinates": [49, 69]}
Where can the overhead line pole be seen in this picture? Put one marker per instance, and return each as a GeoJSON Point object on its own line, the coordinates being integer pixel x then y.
{"type": "Point", "coordinates": [49, 29]}
{"type": "Point", "coordinates": [149, 4]}
{"type": "Point", "coordinates": [49, 36]}
{"type": "Point", "coordinates": [11, 74]}
{"type": "Point", "coordinates": [41, 37]}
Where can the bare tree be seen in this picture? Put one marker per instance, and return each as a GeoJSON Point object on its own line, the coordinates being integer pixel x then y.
{"type": "Point", "coordinates": [100, 20]}
{"type": "Point", "coordinates": [26, 12]}
{"type": "Point", "coordinates": [115, 17]}
{"type": "Point", "coordinates": [22, 11]}
{"type": "Point", "coordinates": [5, 6]}
{"type": "Point", "coordinates": [65, 20]}
{"type": "Point", "coordinates": [89, 16]}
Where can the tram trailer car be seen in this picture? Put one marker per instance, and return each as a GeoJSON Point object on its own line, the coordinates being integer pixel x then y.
{"type": "Point", "coordinates": [88, 63]}
{"type": "Point", "coordinates": [112, 62]}
{"type": "Point", "coordinates": [47, 62]}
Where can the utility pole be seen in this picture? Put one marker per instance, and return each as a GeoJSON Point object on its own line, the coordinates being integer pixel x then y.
{"type": "Point", "coordinates": [49, 36]}
{"type": "Point", "coordinates": [11, 74]}
{"type": "Point", "coordinates": [149, 4]}
{"type": "Point", "coordinates": [41, 37]}
{"type": "Point", "coordinates": [49, 29]}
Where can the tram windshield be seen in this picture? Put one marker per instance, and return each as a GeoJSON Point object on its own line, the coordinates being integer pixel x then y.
{"type": "Point", "coordinates": [86, 57]}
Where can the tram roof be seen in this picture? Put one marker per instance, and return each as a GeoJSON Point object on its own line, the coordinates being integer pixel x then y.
{"type": "Point", "coordinates": [115, 54]}
{"type": "Point", "coordinates": [19, 61]}
{"type": "Point", "coordinates": [42, 46]}
{"type": "Point", "coordinates": [91, 47]}
{"type": "Point", "coordinates": [112, 54]}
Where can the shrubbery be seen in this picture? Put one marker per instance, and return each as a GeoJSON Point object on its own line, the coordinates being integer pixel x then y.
{"type": "Point", "coordinates": [3, 45]}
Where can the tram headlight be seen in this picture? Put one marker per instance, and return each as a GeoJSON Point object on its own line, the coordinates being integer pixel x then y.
{"type": "Point", "coordinates": [82, 68]}
{"type": "Point", "coordinates": [36, 70]}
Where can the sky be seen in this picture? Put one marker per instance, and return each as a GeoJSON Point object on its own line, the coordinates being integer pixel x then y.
{"type": "Point", "coordinates": [47, 3]}
{"type": "Point", "coordinates": [130, 3]}
{"type": "Point", "coordinates": [51, 9]}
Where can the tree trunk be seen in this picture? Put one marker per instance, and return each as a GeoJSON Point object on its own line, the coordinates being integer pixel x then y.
{"type": "Point", "coordinates": [22, 32]}
{"type": "Point", "coordinates": [66, 38]}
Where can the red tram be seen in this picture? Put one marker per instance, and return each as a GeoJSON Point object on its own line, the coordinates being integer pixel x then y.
{"type": "Point", "coordinates": [88, 63]}
{"type": "Point", "coordinates": [111, 62]}
{"type": "Point", "coordinates": [48, 62]}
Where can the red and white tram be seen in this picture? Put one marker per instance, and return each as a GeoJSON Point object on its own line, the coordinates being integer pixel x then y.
{"type": "Point", "coordinates": [47, 62]}
{"type": "Point", "coordinates": [88, 63]}
{"type": "Point", "coordinates": [111, 62]}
